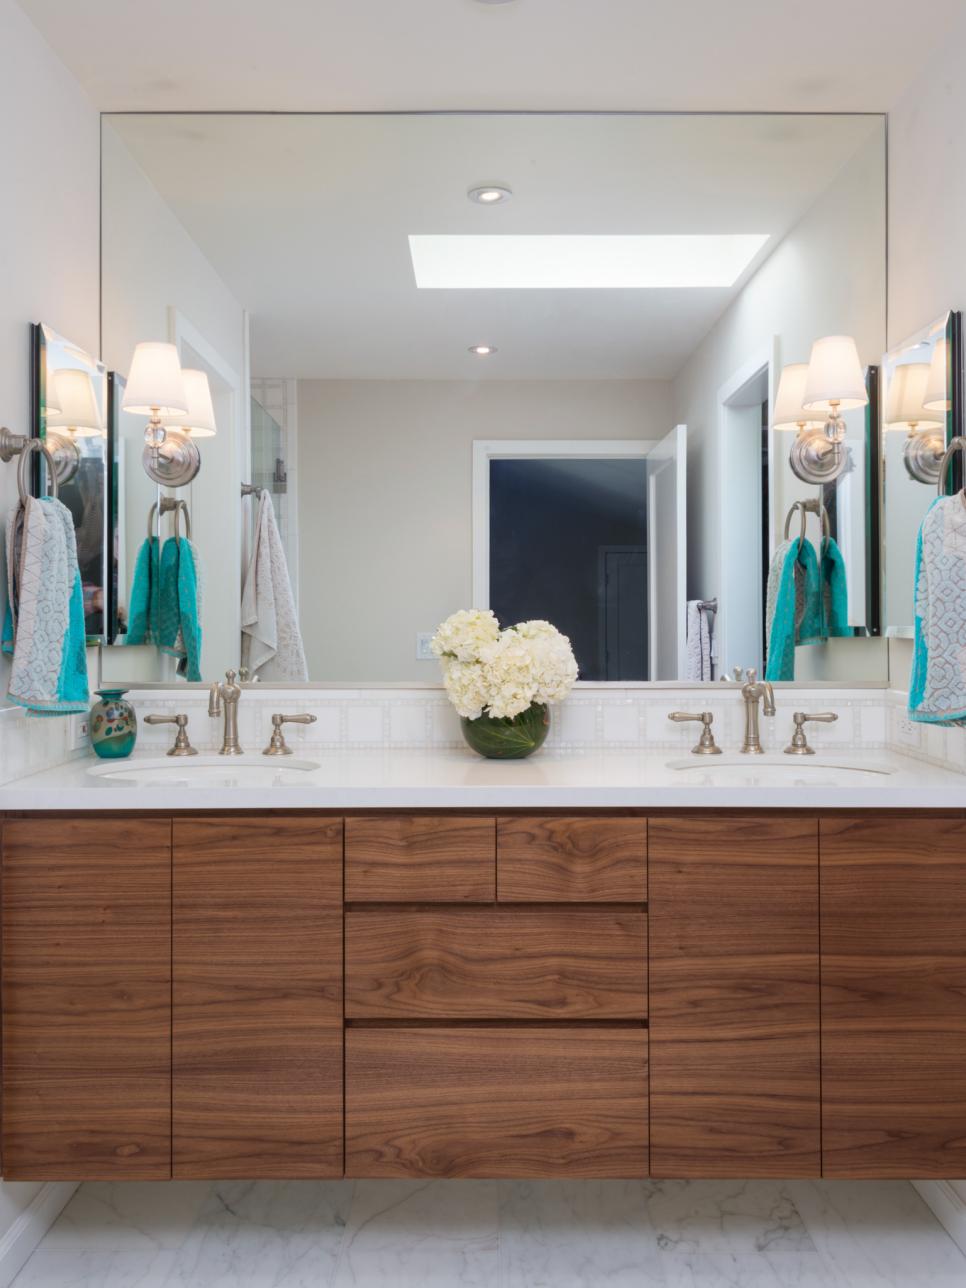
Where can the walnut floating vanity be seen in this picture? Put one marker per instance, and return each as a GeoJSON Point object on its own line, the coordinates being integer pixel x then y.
{"type": "Point", "coordinates": [593, 994]}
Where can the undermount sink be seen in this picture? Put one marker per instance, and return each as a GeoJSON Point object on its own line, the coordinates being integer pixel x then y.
{"type": "Point", "coordinates": [206, 771]}
{"type": "Point", "coordinates": [778, 770]}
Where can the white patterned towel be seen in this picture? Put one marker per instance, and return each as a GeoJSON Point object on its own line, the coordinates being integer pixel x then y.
{"type": "Point", "coordinates": [937, 692]}
{"type": "Point", "coordinates": [271, 646]}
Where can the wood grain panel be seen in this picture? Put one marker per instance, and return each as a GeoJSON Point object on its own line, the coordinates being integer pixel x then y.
{"type": "Point", "coordinates": [894, 996]}
{"type": "Point", "coordinates": [420, 859]}
{"type": "Point", "coordinates": [505, 1101]}
{"type": "Point", "coordinates": [734, 999]}
{"type": "Point", "coordinates": [496, 963]}
{"type": "Point", "coordinates": [87, 999]}
{"type": "Point", "coordinates": [257, 997]}
{"type": "Point", "coordinates": [574, 858]}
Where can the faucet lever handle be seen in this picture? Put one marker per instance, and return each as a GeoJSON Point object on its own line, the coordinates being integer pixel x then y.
{"type": "Point", "coordinates": [799, 743]}
{"type": "Point", "coordinates": [277, 745]}
{"type": "Point", "coordinates": [706, 745]}
{"type": "Point", "coordinates": [182, 747]}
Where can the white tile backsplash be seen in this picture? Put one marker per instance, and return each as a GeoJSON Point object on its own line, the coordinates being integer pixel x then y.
{"type": "Point", "coordinates": [590, 720]}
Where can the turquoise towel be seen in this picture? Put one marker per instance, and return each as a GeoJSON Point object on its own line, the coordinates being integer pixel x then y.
{"type": "Point", "coordinates": [142, 626]}
{"type": "Point", "coordinates": [937, 692]}
{"type": "Point", "coordinates": [180, 606]}
{"type": "Point", "coordinates": [793, 613]}
{"type": "Point", "coordinates": [835, 591]}
{"type": "Point", "coordinates": [44, 629]}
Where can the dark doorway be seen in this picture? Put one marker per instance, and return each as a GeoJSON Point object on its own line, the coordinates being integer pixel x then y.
{"type": "Point", "coordinates": [568, 543]}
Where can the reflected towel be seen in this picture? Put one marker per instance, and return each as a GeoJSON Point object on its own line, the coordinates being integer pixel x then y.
{"type": "Point", "coordinates": [699, 642]}
{"type": "Point", "coordinates": [143, 626]}
{"type": "Point", "coordinates": [937, 692]}
{"type": "Point", "coordinates": [793, 606]}
{"type": "Point", "coordinates": [44, 622]}
{"type": "Point", "coordinates": [271, 640]}
{"type": "Point", "coordinates": [180, 606]}
{"type": "Point", "coordinates": [835, 591]}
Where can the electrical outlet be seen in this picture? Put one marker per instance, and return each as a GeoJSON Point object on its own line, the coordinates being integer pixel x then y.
{"type": "Point", "coordinates": [80, 731]}
{"type": "Point", "coordinates": [424, 652]}
{"type": "Point", "coordinates": [907, 732]}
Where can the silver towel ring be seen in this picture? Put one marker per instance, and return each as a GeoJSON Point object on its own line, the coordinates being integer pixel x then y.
{"type": "Point", "coordinates": [804, 508]}
{"type": "Point", "coordinates": [957, 444]}
{"type": "Point", "coordinates": [169, 503]}
{"type": "Point", "coordinates": [35, 445]}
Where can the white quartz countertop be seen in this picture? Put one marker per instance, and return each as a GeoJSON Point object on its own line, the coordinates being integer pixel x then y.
{"type": "Point", "coordinates": [458, 779]}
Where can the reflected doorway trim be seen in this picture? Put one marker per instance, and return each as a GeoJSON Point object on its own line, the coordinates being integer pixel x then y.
{"type": "Point", "coordinates": [486, 450]}
{"type": "Point", "coordinates": [767, 360]}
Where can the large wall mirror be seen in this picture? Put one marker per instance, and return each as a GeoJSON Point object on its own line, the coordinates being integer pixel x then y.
{"type": "Point", "coordinates": [522, 362]}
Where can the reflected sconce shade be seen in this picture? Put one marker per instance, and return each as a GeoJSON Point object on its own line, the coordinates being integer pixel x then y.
{"type": "Point", "coordinates": [77, 407]}
{"type": "Point", "coordinates": [156, 388]}
{"type": "Point", "coordinates": [906, 399]}
{"type": "Point", "coordinates": [199, 420]}
{"type": "Point", "coordinates": [789, 412]}
{"type": "Point", "coordinates": [936, 397]}
{"type": "Point", "coordinates": [835, 382]}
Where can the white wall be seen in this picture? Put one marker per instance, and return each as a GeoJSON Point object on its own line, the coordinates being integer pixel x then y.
{"type": "Point", "coordinates": [826, 277]}
{"type": "Point", "coordinates": [152, 266]}
{"type": "Point", "coordinates": [48, 253]}
{"type": "Point", "coordinates": [384, 484]}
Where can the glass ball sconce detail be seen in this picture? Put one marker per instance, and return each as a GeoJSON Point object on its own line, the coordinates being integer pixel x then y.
{"type": "Point", "coordinates": [156, 389]}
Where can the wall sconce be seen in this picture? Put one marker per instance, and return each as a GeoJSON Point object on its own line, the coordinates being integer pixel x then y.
{"type": "Point", "coordinates": [936, 396]}
{"type": "Point", "coordinates": [834, 383]}
{"type": "Point", "coordinates": [906, 409]}
{"type": "Point", "coordinates": [812, 457]}
{"type": "Point", "coordinates": [155, 388]}
{"type": "Point", "coordinates": [199, 420]}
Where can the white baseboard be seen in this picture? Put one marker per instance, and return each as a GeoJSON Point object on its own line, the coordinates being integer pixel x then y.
{"type": "Point", "coordinates": [949, 1206]}
{"type": "Point", "coordinates": [30, 1226]}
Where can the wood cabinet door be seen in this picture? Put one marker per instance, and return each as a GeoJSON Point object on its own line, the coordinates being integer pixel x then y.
{"type": "Point", "coordinates": [734, 1005]}
{"type": "Point", "coordinates": [571, 859]}
{"type": "Point", "coordinates": [894, 996]}
{"type": "Point", "coordinates": [421, 858]}
{"type": "Point", "coordinates": [87, 998]}
{"type": "Point", "coordinates": [498, 1100]}
{"type": "Point", "coordinates": [257, 1054]}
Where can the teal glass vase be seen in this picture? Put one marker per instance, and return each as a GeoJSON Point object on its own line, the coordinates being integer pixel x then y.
{"type": "Point", "coordinates": [508, 737]}
{"type": "Point", "coordinates": [113, 725]}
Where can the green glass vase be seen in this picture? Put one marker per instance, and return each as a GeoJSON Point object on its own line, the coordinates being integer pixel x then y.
{"type": "Point", "coordinates": [508, 737]}
{"type": "Point", "coordinates": [113, 725]}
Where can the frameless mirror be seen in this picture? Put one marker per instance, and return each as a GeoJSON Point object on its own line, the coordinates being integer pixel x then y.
{"type": "Point", "coordinates": [70, 414]}
{"type": "Point", "coordinates": [526, 362]}
{"type": "Point", "coordinates": [922, 382]}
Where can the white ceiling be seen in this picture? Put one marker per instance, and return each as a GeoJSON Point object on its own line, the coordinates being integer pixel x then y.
{"type": "Point", "coordinates": [307, 219]}
{"type": "Point", "coordinates": [824, 55]}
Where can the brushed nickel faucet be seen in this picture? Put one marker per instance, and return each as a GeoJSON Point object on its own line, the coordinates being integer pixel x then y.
{"type": "Point", "coordinates": [753, 691]}
{"type": "Point", "coordinates": [224, 697]}
{"type": "Point", "coordinates": [799, 743]}
{"type": "Point", "coordinates": [182, 747]}
{"type": "Point", "coordinates": [706, 745]}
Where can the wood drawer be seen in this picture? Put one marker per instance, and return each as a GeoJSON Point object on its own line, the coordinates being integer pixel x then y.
{"type": "Point", "coordinates": [496, 963]}
{"type": "Point", "coordinates": [420, 859]}
{"type": "Point", "coordinates": [574, 860]}
{"type": "Point", "coordinates": [496, 1101]}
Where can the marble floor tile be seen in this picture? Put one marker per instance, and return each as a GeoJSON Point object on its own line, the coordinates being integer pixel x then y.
{"type": "Point", "coordinates": [419, 1234]}
{"type": "Point", "coordinates": [577, 1234]}
{"type": "Point", "coordinates": [109, 1216]}
{"type": "Point", "coordinates": [878, 1234]}
{"type": "Point", "coordinates": [104, 1269]}
{"type": "Point", "coordinates": [739, 1217]}
{"type": "Point", "coordinates": [684, 1268]}
{"type": "Point", "coordinates": [265, 1234]}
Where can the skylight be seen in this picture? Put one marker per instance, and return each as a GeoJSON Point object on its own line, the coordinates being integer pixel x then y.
{"type": "Point", "coordinates": [574, 262]}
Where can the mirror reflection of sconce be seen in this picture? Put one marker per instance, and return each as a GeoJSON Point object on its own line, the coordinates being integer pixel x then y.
{"type": "Point", "coordinates": [156, 389]}
{"type": "Point", "coordinates": [830, 383]}
{"type": "Point", "coordinates": [912, 405]}
{"type": "Point", "coordinates": [199, 420]}
{"type": "Point", "coordinates": [71, 411]}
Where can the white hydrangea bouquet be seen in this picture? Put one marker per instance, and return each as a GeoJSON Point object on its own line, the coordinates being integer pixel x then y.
{"type": "Point", "coordinates": [502, 683]}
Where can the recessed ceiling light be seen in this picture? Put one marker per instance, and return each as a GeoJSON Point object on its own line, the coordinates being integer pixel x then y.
{"type": "Point", "coordinates": [482, 350]}
{"type": "Point", "coordinates": [490, 194]}
{"type": "Point", "coordinates": [494, 1]}
{"type": "Point", "coordinates": [572, 262]}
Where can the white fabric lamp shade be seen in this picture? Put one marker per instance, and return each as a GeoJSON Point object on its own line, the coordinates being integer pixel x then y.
{"type": "Point", "coordinates": [936, 397]}
{"type": "Point", "coordinates": [789, 412]}
{"type": "Point", "coordinates": [834, 376]}
{"type": "Point", "coordinates": [76, 400]}
{"type": "Point", "coordinates": [905, 399]}
{"type": "Point", "coordinates": [154, 381]}
{"type": "Point", "coordinates": [199, 420]}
